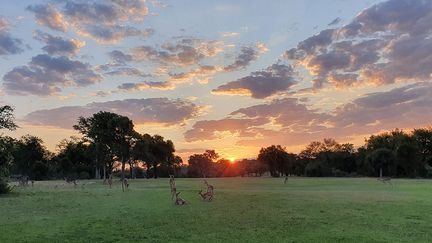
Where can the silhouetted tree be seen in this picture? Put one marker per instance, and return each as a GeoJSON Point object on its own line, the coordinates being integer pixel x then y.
{"type": "Point", "coordinates": [111, 130]}
{"type": "Point", "coordinates": [201, 164]}
{"type": "Point", "coordinates": [31, 158]}
{"type": "Point", "coordinates": [74, 159]}
{"type": "Point", "coordinates": [277, 159]}
{"type": "Point", "coordinates": [383, 160]}
{"type": "Point", "coordinates": [6, 118]}
{"type": "Point", "coordinates": [6, 146]}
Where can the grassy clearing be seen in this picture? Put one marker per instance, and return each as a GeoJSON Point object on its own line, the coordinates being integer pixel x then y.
{"type": "Point", "coordinates": [244, 209]}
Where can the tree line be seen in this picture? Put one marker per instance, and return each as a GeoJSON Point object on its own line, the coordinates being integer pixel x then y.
{"type": "Point", "coordinates": [110, 145]}
{"type": "Point", "coordinates": [391, 154]}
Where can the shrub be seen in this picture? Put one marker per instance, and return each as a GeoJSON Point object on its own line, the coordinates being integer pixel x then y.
{"type": "Point", "coordinates": [4, 187]}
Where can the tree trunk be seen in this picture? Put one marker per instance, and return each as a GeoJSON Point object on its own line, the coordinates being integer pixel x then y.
{"type": "Point", "coordinates": [104, 173]}
{"type": "Point", "coordinates": [130, 170]}
{"type": "Point", "coordinates": [381, 172]}
{"type": "Point", "coordinates": [122, 173]}
{"type": "Point", "coordinates": [155, 171]}
{"type": "Point", "coordinates": [97, 173]}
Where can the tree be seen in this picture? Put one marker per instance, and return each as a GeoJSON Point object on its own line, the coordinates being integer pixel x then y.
{"type": "Point", "coordinates": [201, 164]}
{"type": "Point", "coordinates": [327, 158]}
{"type": "Point", "coordinates": [6, 118]}
{"type": "Point", "coordinates": [31, 158]}
{"type": "Point", "coordinates": [383, 160]}
{"type": "Point", "coordinates": [277, 159]}
{"type": "Point", "coordinates": [111, 130]}
{"type": "Point", "coordinates": [6, 145]}
{"type": "Point", "coordinates": [74, 159]}
{"type": "Point", "coordinates": [423, 138]}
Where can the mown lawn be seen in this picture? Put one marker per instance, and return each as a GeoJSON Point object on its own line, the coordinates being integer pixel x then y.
{"type": "Point", "coordinates": [244, 210]}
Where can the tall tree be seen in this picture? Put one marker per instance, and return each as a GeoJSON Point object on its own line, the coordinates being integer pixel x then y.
{"type": "Point", "coordinates": [6, 146]}
{"type": "Point", "coordinates": [277, 159]}
{"type": "Point", "coordinates": [201, 164]}
{"type": "Point", "coordinates": [423, 138]}
{"type": "Point", "coordinates": [111, 130]}
{"type": "Point", "coordinates": [74, 159]}
{"type": "Point", "coordinates": [383, 160]}
{"type": "Point", "coordinates": [31, 158]}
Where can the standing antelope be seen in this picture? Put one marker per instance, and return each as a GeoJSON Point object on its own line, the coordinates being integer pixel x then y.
{"type": "Point", "coordinates": [126, 183]}
{"type": "Point", "coordinates": [110, 180]}
{"type": "Point", "coordinates": [173, 187]}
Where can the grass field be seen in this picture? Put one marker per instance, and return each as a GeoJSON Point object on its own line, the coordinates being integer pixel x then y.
{"type": "Point", "coordinates": [244, 210]}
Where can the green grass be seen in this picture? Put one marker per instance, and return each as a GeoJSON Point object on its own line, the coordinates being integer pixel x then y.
{"type": "Point", "coordinates": [244, 210]}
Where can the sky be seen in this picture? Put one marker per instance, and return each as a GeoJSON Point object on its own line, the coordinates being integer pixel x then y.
{"type": "Point", "coordinates": [233, 76]}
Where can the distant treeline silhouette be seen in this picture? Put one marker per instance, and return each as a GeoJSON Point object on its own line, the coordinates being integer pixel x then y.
{"type": "Point", "coordinates": [110, 145]}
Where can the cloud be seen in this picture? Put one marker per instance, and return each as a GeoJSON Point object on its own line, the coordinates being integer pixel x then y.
{"type": "Point", "coordinates": [46, 75]}
{"type": "Point", "coordinates": [213, 129]}
{"type": "Point", "coordinates": [162, 111]}
{"type": "Point", "coordinates": [251, 122]}
{"type": "Point", "coordinates": [291, 121]}
{"type": "Point", "coordinates": [58, 45]}
{"type": "Point", "coordinates": [378, 47]}
{"type": "Point", "coordinates": [230, 34]}
{"type": "Point", "coordinates": [261, 84]}
{"type": "Point", "coordinates": [8, 44]}
{"type": "Point", "coordinates": [48, 15]}
{"type": "Point", "coordinates": [181, 60]}
{"type": "Point", "coordinates": [181, 52]}
{"type": "Point", "coordinates": [4, 24]}
{"type": "Point", "coordinates": [112, 34]}
{"type": "Point", "coordinates": [145, 85]}
{"type": "Point", "coordinates": [335, 21]}
{"type": "Point", "coordinates": [246, 56]}
{"type": "Point", "coordinates": [104, 21]}
{"type": "Point", "coordinates": [128, 71]}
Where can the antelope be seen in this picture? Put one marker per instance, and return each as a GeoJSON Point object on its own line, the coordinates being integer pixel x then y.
{"type": "Point", "coordinates": [68, 181]}
{"type": "Point", "coordinates": [206, 196]}
{"type": "Point", "coordinates": [23, 181]}
{"type": "Point", "coordinates": [209, 194]}
{"type": "Point", "coordinates": [209, 187]}
{"type": "Point", "coordinates": [110, 180]}
{"type": "Point", "coordinates": [173, 187]}
{"type": "Point", "coordinates": [385, 180]}
{"type": "Point", "coordinates": [179, 201]}
{"type": "Point", "coordinates": [126, 182]}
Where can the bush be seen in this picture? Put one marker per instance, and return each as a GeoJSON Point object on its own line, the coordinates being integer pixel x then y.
{"type": "Point", "coordinates": [339, 173]}
{"type": "Point", "coordinates": [317, 169]}
{"type": "Point", "coordinates": [4, 187]}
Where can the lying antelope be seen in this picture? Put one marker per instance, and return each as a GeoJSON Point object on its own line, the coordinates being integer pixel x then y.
{"type": "Point", "coordinates": [179, 201]}
{"type": "Point", "coordinates": [206, 196]}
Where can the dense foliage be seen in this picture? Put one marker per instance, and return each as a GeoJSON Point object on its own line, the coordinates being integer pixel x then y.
{"type": "Point", "coordinates": [110, 145]}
